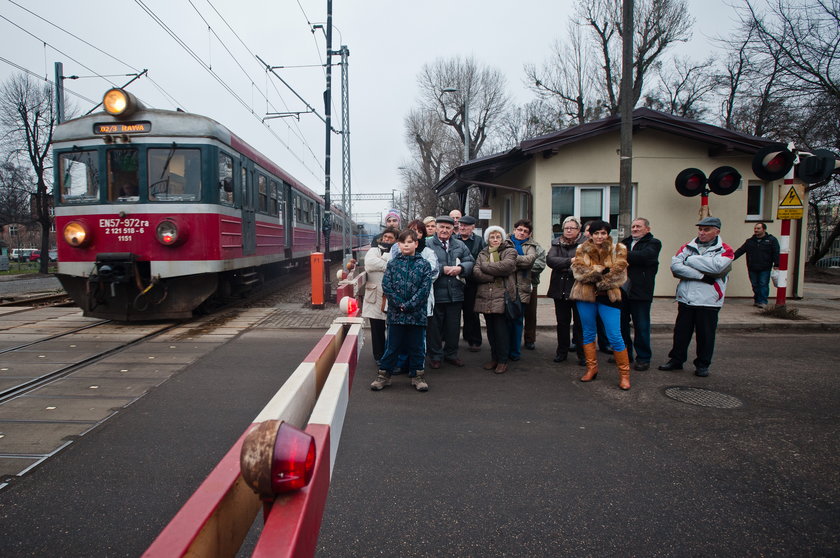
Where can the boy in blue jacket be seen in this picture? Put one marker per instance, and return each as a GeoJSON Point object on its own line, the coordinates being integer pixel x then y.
{"type": "Point", "coordinates": [406, 284]}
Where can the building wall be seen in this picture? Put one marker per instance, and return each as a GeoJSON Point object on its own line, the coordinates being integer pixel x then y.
{"type": "Point", "coordinates": [657, 159]}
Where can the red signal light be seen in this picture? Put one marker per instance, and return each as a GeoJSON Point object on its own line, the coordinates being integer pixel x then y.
{"type": "Point", "coordinates": [690, 182]}
{"type": "Point", "coordinates": [773, 162]}
{"type": "Point", "coordinates": [349, 305]}
{"type": "Point", "coordinates": [724, 180]}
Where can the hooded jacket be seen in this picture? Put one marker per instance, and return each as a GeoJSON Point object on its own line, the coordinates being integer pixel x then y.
{"type": "Point", "coordinates": [591, 261]}
{"type": "Point", "coordinates": [691, 267]}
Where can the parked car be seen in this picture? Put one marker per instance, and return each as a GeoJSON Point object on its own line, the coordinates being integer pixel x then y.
{"type": "Point", "coordinates": [21, 254]}
{"type": "Point", "coordinates": [829, 261]}
{"type": "Point", "coordinates": [35, 256]}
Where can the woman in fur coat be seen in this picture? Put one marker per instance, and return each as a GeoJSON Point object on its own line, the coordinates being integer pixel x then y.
{"type": "Point", "coordinates": [600, 268]}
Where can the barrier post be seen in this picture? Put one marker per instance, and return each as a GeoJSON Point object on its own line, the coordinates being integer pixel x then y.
{"type": "Point", "coordinates": [316, 269]}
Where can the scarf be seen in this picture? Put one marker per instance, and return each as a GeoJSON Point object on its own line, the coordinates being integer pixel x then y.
{"type": "Point", "coordinates": [494, 254]}
{"type": "Point", "coordinates": [518, 244]}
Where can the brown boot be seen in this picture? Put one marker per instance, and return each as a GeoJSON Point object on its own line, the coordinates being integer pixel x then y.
{"type": "Point", "coordinates": [622, 361]}
{"type": "Point", "coordinates": [590, 354]}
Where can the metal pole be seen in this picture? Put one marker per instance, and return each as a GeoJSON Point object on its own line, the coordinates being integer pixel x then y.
{"type": "Point", "coordinates": [784, 249]}
{"type": "Point", "coordinates": [59, 92]}
{"type": "Point", "coordinates": [626, 158]}
{"type": "Point", "coordinates": [347, 194]}
{"type": "Point", "coordinates": [466, 125]}
{"type": "Point", "coordinates": [327, 224]}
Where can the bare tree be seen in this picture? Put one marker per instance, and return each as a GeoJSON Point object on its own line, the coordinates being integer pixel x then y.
{"type": "Point", "coordinates": [685, 88]}
{"type": "Point", "coordinates": [15, 193]}
{"type": "Point", "coordinates": [28, 120]}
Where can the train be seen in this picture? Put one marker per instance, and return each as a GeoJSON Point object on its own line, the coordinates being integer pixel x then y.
{"type": "Point", "coordinates": [160, 212]}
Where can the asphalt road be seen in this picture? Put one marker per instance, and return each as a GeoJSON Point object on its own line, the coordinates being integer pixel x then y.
{"type": "Point", "coordinates": [535, 463]}
{"type": "Point", "coordinates": [29, 285]}
{"type": "Point", "coordinates": [530, 463]}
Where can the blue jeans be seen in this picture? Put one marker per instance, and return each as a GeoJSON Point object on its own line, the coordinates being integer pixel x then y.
{"type": "Point", "coordinates": [612, 323]}
{"type": "Point", "coordinates": [404, 339]}
{"type": "Point", "coordinates": [760, 285]}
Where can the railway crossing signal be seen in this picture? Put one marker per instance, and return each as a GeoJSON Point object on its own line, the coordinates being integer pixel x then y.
{"type": "Point", "coordinates": [775, 161]}
{"type": "Point", "coordinates": [723, 181]}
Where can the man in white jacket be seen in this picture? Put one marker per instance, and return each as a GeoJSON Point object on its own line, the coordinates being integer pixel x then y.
{"type": "Point", "coordinates": [702, 266]}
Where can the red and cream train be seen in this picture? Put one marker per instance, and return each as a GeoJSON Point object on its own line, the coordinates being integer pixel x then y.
{"type": "Point", "coordinates": [158, 211]}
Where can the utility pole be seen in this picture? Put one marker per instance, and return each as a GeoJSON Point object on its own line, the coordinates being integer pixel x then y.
{"type": "Point", "coordinates": [626, 152]}
{"type": "Point", "coordinates": [346, 191]}
{"type": "Point", "coordinates": [326, 227]}
{"type": "Point", "coordinates": [59, 92]}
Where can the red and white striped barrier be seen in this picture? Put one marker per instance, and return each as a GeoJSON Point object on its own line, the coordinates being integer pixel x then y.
{"type": "Point", "coordinates": [217, 517]}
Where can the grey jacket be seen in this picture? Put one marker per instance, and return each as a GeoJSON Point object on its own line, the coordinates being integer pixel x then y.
{"type": "Point", "coordinates": [691, 268]}
{"type": "Point", "coordinates": [447, 288]}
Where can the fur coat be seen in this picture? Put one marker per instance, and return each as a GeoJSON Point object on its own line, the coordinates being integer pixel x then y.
{"type": "Point", "coordinates": [589, 266]}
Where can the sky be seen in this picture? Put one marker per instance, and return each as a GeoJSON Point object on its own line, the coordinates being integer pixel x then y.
{"type": "Point", "coordinates": [389, 42]}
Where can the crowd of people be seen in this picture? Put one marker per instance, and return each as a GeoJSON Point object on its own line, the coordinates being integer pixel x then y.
{"type": "Point", "coordinates": [427, 284]}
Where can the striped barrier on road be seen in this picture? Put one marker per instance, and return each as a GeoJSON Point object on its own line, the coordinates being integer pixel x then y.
{"type": "Point", "coordinates": [217, 517]}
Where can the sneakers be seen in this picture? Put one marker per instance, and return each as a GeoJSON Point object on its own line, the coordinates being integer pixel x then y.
{"type": "Point", "coordinates": [383, 380]}
{"type": "Point", "coordinates": [419, 382]}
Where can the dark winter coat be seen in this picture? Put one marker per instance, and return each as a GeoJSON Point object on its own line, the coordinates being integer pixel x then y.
{"type": "Point", "coordinates": [407, 282]}
{"type": "Point", "coordinates": [448, 288]}
{"type": "Point", "coordinates": [590, 263]}
{"type": "Point", "coordinates": [762, 253]}
{"type": "Point", "coordinates": [643, 261]}
{"type": "Point", "coordinates": [494, 278]}
{"type": "Point", "coordinates": [475, 244]}
{"type": "Point", "coordinates": [559, 259]}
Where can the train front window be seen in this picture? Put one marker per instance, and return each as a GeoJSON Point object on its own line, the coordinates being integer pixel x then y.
{"type": "Point", "coordinates": [174, 174]}
{"type": "Point", "coordinates": [123, 179]}
{"type": "Point", "coordinates": [78, 175]}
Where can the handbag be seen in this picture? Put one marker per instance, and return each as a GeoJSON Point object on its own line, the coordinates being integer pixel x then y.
{"type": "Point", "coordinates": [513, 307]}
{"type": "Point", "coordinates": [774, 276]}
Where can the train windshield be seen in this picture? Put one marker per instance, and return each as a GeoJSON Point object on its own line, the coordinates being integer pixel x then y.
{"type": "Point", "coordinates": [123, 180]}
{"type": "Point", "coordinates": [174, 174]}
{"type": "Point", "coordinates": [78, 177]}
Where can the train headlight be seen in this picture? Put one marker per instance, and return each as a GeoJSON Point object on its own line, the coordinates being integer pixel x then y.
{"type": "Point", "coordinates": [121, 103]}
{"type": "Point", "coordinates": [167, 233]}
{"type": "Point", "coordinates": [76, 234]}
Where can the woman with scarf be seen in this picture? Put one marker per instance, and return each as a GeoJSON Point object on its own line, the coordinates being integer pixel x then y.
{"type": "Point", "coordinates": [600, 268]}
{"type": "Point", "coordinates": [494, 271]}
{"type": "Point", "coordinates": [376, 260]}
{"type": "Point", "coordinates": [560, 258]}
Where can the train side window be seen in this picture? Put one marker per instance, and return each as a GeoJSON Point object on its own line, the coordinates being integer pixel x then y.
{"type": "Point", "coordinates": [298, 210]}
{"type": "Point", "coordinates": [123, 179]}
{"type": "Point", "coordinates": [225, 179]}
{"type": "Point", "coordinates": [78, 175]}
{"type": "Point", "coordinates": [174, 174]}
{"type": "Point", "coordinates": [263, 193]}
{"type": "Point", "coordinates": [272, 202]}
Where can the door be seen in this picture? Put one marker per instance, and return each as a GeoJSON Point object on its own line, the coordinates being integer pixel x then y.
{"type": "Point", "coordinates": [249, 217]}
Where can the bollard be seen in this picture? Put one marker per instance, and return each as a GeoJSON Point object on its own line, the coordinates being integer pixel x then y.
{"type": "Point", "coordinates": [316, 269]}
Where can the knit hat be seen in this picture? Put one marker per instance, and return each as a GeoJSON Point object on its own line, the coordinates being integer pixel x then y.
{"type": "Point", "coordinates": [393, 214]}
{"type": "Point", "coordinates": [494, 228]}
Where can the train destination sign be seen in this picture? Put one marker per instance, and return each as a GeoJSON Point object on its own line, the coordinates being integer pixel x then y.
{"type": "Point", "coordinates": [143, 127]}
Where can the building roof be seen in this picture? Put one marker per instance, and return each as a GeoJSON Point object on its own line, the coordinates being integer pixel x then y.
{"type": "Point", "coordinates": [484, 170]}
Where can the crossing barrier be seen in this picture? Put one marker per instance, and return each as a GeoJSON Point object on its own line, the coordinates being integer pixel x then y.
{"type": "Point", "coordinates": [217, 517]}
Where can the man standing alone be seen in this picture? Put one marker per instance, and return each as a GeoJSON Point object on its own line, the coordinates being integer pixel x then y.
{"type": "Point", "coordinates": [762, 250]}
{"type": "Point", "coordinates": [701, 266]}
{"type": "Point", "coordinates": [643, 259]}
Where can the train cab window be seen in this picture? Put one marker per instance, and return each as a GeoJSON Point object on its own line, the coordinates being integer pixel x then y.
{"type": "Point", "coordinates": [225, 179]}
{"type": "Point", "coordinates": [262, 185]}
{"type": "Point", "coordinates": [78, 177]}
{"type": "Point", "coordinates": [123, 179]}
{"type": "Point", "coordinates": [174, 174]}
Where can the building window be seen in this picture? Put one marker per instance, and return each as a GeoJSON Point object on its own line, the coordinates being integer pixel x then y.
{"type": "Point", "coordinates": [755, 201]}
{"type": "Point", "coordinates": [507, 214]}
{"type": "Point", "coordinates": [586, 202]}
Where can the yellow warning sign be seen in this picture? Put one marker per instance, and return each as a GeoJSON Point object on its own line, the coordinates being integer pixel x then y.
{"type": "Point", "coordinates": [791, 199]}
{"type": "Point", "coordinates": [790, 204]}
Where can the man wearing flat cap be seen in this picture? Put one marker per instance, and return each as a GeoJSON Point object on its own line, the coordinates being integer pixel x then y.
{"type": "Point", "coordinates": [475, 244]}
{"type": "Point", "coordinates": [455, 264]}
{"type": "Point", "coordinates": [702, 266]}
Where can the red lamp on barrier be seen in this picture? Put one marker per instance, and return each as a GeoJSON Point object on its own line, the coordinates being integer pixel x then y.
{"type": "Point", "coordinates": [276, 458]}
{"type": "Point", "coordinates": [349, 305]}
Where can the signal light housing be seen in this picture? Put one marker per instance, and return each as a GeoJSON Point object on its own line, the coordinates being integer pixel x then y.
{"type": "Point", "coordinates": [773, 162]}
{"type": "Point", "coordinates": [816, 167]}
{"type": "Point", "coordinates": [77, 234]}
{"type": "Point", "coordinates": [169, 233]}
{"type": "Point", "coordinates": [724, 180]}
{"type": "Point", "coordinates": [276, 458]}
{"type": "Point", "coordinates": [690, 182]}
{"type": "Point", "coordinates": [349, 306]}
